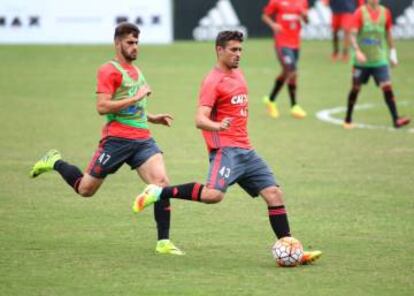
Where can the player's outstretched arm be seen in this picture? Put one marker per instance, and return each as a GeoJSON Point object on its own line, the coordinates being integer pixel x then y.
{"type": "Point", "coordinates": [204, 122]}
{"type": "Point", "coordinates": [393, 50]}
{"type": "Point", "coordinates": [164, 119]}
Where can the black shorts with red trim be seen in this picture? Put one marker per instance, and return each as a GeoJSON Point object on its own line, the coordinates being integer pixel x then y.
{"type": "Point", "coordinates": [113, 152]}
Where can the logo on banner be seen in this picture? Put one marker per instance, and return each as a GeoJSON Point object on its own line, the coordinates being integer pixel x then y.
{"type": "Point", "coordinates": [219, 18]}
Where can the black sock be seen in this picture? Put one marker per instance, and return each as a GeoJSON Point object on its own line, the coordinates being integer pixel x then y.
{"type": "Point", "coordinates": [280, 81]}
{"type": "Point", "coordinates": [352, 97]}
{"type": "Point", "coordinates": [279, 221]}
{"type": "Point", "coordinates": [70, 173]}
{"type": "Point", "coordinates": [389, 100]}
{"type": "Point", "coordinates": [162, 215]}
{"type": "Point", "coordinates": [292, 93]}
{"type": "Point", "coordinates": [190, 191]}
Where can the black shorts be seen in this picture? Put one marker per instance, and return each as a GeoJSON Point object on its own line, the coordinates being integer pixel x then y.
{"type": "Point", "coordinates": [112, 153]}
{"type": "Point", "coordinates": [288, 58]}
{"type": "Point", "coordinates": [361, 75]}
{"type": "Point", "coordinates": [230, 165]}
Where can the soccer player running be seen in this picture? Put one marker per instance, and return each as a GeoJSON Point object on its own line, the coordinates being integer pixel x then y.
{"type": "Point", "coordinates": [222, 116]}
{"type": "Point", "coordinates": [285, 18]}
{"type": "Point", "coordinates": [126, 138]}
{"type": "Point", "coordinates": [371, 38]}
{"type": "Point", "coordinates": [342, 18]}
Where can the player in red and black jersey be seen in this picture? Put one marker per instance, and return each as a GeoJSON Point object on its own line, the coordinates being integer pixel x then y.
{"type": "Point", "coordinates": [285, 18]}
{"type": "Point", "coordinates": [222, 117]}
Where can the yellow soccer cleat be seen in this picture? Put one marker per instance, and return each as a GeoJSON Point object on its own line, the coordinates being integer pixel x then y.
{"type": "Point", "coordinates": [271, 107]}
{"type": "Point", "coordinates": [310, 256]}
{"type": "Point", "coordinates": [46, 163]}
{"type": "Point", "coordinates": [298, 112]}
{"type": "Point", "coordinates": [149, 196]}
{"type": "Point", "coordinates": [165, 246]}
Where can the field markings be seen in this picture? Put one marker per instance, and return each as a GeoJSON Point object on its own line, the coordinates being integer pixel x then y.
{"type": "Point", "coordinates": [326, 115]}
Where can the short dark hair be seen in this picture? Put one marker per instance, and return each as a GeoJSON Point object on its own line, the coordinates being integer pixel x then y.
{"type": "Point", "coordinates": [225, 36]}
{"type": "Point", "coordinates": [126, 28]}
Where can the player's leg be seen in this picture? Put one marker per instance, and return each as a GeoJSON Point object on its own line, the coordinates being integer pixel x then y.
{"type": "Point", "coordinates": [292, 73]}
{"type": "Point", "coordinates": [258, 179]}
{"type": "Point", "coordinates": [219, 177]}
{"type": "Point", "coordinates": [270, 101]}
{"type": "Point", "coordinates": [148, 161]}
{"type": "Point", "coordinates": [84, 185]}
{"type": "Point", "coordinates": [383, 80]}
{"type": "Point", "coordinates": [359, 76]}
{"type": "Point", "coordinates": [335, 25]}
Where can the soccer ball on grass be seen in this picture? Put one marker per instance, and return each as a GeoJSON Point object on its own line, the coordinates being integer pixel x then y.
{"type": "Point", "coordinates": [287, 252]}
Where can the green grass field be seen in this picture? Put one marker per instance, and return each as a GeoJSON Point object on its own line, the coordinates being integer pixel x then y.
{"type": "Point", "coordinates": [349, 193]}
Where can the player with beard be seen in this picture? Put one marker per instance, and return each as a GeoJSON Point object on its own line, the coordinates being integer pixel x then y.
{"type": "Point", "coordinates": [122, 97]}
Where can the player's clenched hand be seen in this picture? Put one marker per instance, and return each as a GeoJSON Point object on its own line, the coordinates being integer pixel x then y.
{"type": "Point", "coordinates": [225, 123]}
{"type": "Point", "coordinates": [361, 58]}
{"type": "Point", "coordinates": [142, 93]}
{"type": "Point", "coordinates": [276, 28]}
{"type": "Point", "coordinates": [164, 119]}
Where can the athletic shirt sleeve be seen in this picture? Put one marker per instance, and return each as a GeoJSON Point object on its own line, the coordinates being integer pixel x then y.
{"type": "Point", "coordinates": [208, 92]}
{"type": "Point", "coordinates": [270, 8]}
{"type": "Point", "coordinates": [388, 19]}
{"type": "Point", "coordinates": [108, 79]}
{"type": "Point", "coordinates": [357, 21]}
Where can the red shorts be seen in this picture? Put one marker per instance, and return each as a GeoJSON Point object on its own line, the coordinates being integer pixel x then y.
{"type": "Point", "coordinates": [342, 21]}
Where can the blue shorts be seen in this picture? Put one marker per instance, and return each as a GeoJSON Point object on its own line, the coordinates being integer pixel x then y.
{"type": "Point", "coordinates": [288, 58]}
{"type": "Point", "coordinates": [112, 153]}
{"type": "Point", "coordinates": [231, 165]}
{"type": "Point", "coordinates": [361, 75]}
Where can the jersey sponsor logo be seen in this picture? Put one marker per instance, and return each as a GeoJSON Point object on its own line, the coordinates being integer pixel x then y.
{"type": "Point", "coordinates": [239, 99]}
{"type": "Point", "coordinates": [219, 18]}
{"type": "Point", "coordinates": [290, 17]}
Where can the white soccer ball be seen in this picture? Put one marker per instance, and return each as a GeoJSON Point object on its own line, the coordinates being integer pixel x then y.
{"type": "Point", "coordinates": [287, 252]}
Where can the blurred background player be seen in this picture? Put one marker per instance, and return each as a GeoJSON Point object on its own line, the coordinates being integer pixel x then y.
{"type": "Point", "coordinates": [370, 37]}
{"type": "Point", "coordinates": [342, 19]}
{"type": "Point", "coordinates": [222, 116]}
{"type": "Point", "coordinates": [126, 138]}
{"type": "Point", "coordinates": [285, 18]}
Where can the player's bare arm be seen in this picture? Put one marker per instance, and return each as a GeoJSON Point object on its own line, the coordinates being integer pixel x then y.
{"type": "Point", "coordinates": [361, 58]}
{"type": "Point", "coordinates": [164, 119]}
{"type": "Point", "coordinates": [204, 122]}
{"type": "Point", "coordinates": [272, 24]}
{"type": "Point", "coordinates": [105, 104]}
{"type": "Point", "coordinates": [393, 50]}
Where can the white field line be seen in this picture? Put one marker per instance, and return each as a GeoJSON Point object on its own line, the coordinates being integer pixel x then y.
{"type": "Point", "coordinates": [326, 115]}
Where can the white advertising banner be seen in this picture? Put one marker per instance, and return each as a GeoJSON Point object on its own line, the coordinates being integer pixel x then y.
{"type": "Point", "coordinates": [82, 21]}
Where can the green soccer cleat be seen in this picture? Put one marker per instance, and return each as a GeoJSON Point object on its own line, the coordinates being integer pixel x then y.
{"type": "Point", "coordinates": [271, 107]}
{"type": "Point", "coordinates": [150, 195]}
{"type": "Point", "coordinates": [298, 112]}
{"type": "Point", "coordinates": [165, 246]}
{"type": "Point", "coordinates": [310, 256]}
{"type": "Point", "coordinates": [46, 163]}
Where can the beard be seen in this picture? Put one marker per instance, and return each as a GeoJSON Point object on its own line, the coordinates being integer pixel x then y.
{"type": "Point", "coordinates": [129, 56]}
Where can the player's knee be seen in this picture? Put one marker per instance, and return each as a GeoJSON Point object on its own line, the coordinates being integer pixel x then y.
{"type": "Point", "coordinates": [86, 191]}
{"type": "Point", "coordinates": [161, 181]}
{"type": "Point", "coordinates": [273, 196]}
{"type": "Point", "coordinates": [212, 196]}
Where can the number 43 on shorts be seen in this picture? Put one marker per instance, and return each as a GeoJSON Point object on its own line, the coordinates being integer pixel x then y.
{"type": "Point", "coordinates": [224, 172]}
